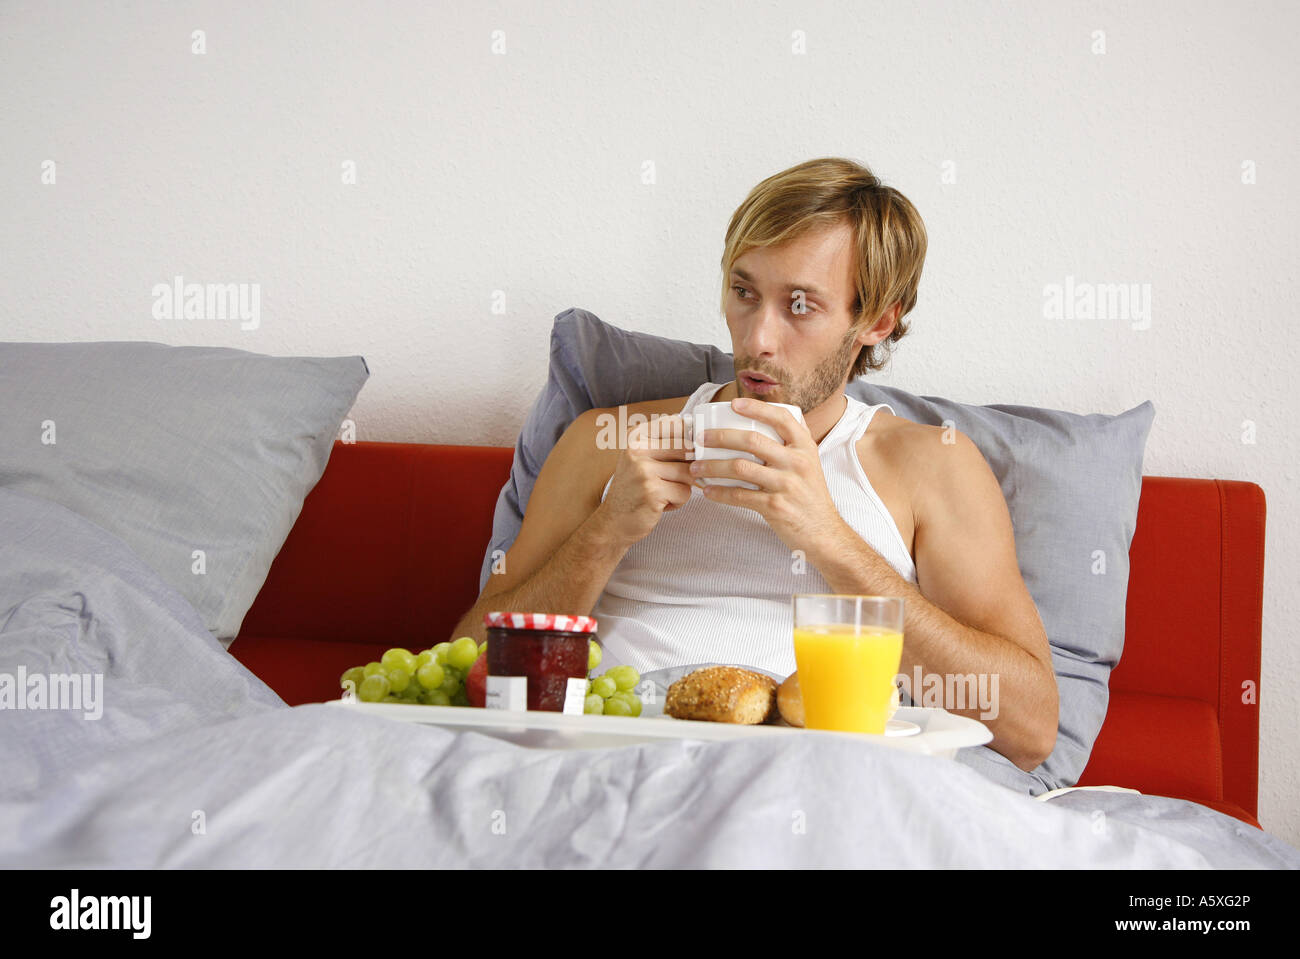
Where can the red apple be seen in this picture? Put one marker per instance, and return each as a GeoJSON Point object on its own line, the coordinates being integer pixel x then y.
{"type": "Point", "coordinates": [476, 682]}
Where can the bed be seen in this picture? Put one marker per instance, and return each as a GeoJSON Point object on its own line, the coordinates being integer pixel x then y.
{"type": "Point", "coordinates": [194, 746]}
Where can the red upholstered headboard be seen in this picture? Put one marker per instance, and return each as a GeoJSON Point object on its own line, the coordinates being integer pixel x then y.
{"type": "Point", "coordinates": [389, 545]}
{"type": "Point", "coordinates": [387, 549]}
{"type": "Point", "coordinates": [1184, 698]}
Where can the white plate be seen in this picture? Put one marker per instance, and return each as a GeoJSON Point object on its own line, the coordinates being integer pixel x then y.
{"type": "Point", "coordinates": [938, 733]}
{"type": "Point", "coordinates": [653, 689]}
{"type": "Point", "coordinates": [901, 727]}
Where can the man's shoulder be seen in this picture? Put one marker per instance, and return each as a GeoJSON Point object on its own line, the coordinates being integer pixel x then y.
{"type": "Point", "coordinates": [928, 460]}
{"type": "Point", "coordinates": [903, 441]}
{"type": "Point", "coordinates": [598, 431]}
{"type": "Point", "coordinates": [669, 404]}
{"type": "Point", "coordinates": [600, 418]}
{"type": "Point", "coordinates": [903, 455]}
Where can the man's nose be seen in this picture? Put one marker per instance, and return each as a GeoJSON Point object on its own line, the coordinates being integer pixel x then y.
{"type": "Point", "coordinates": [763, 332]}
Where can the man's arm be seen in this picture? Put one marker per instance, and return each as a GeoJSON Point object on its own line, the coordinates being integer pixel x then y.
{"type": "Point", "coordinates": [970, 611]}
{"type": "Point", "coordinates": [564, 553]}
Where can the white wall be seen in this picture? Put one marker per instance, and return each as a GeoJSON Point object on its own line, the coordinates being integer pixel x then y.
{"type": "Point", "coordinates": [522, 172]}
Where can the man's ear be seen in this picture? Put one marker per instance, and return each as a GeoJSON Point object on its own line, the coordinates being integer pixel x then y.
{"type": "Point", "coordinates": [883, 326]}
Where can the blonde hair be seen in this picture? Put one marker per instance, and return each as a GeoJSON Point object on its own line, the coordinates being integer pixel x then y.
{"type": "Point", "coordinates": [889, 235]}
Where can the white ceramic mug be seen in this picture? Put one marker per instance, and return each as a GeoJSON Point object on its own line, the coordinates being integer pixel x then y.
{"type": "Point", "coordinates": [720, 416]}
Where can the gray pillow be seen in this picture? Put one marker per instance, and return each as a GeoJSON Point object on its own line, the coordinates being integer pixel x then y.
{"type": "Point", "coordinates": [593, 365]}
{"type": "Point", "coordinates": [1071, 482]}
{"type": "Point", "coordinates": [198, 458]}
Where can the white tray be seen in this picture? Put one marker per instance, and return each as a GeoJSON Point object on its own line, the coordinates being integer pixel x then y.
{"type": "Point", "coordinates": [942, 733]}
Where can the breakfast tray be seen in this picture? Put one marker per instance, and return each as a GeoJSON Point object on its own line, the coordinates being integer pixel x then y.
{"type": "Point", "coordinates": [942, 733]}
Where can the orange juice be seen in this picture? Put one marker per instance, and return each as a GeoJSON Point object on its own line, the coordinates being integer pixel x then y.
{"type": "Point", "coordinates": [846, 675]}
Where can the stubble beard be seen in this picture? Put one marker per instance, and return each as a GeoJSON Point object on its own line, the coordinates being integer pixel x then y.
{"type": "Point", "coordinates": [817, 387]}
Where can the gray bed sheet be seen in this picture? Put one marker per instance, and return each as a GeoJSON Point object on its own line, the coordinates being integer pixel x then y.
{"type": "Point", "coordinates": [194, 762]}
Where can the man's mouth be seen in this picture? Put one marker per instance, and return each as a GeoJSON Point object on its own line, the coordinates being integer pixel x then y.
{"type": "Point", "coordinates": [757, 383]}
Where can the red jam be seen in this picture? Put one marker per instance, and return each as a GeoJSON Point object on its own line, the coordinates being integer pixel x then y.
{"type": "Point", "coordinates": [530, 645]}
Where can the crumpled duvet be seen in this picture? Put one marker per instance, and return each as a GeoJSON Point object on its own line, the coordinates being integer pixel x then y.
{"type": "Point", "coordinates": [194, 762]}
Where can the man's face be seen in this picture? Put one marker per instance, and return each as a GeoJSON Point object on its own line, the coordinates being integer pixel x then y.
{"type": "Point", "coordinates": [807, 355]}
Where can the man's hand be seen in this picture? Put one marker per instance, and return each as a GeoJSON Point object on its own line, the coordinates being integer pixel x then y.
{"type": "Point", "coordinates": [792, 494]}
{"type": "Point", "coordinates": [650, 478]}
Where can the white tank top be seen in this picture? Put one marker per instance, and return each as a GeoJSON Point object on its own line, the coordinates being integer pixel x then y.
{"type": "Point", "coordinates": [712, 583]}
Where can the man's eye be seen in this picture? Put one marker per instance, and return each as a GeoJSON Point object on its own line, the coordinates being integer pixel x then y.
{"type": "Point", "coordinates": [794, 304]}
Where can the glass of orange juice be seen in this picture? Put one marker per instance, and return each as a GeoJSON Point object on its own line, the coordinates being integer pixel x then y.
{"type": "Point", "coordinates": [847, 650]}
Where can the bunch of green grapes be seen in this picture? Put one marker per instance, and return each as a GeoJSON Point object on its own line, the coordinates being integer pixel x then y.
{"type": "Point", "coordinates": [435, 677]}
{"type": "Point", "coordinates": [611, 693]}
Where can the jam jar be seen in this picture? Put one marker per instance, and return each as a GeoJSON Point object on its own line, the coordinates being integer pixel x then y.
{"type": "Point", "coordinates": [538, 661]}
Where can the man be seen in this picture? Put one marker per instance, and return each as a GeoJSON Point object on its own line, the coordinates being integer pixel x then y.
{"type": "Point", "coordinates": [821, 264]}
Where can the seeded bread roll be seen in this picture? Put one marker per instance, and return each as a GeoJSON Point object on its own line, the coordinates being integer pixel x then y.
{"type": "Point", "coordinates": [723, 694]}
